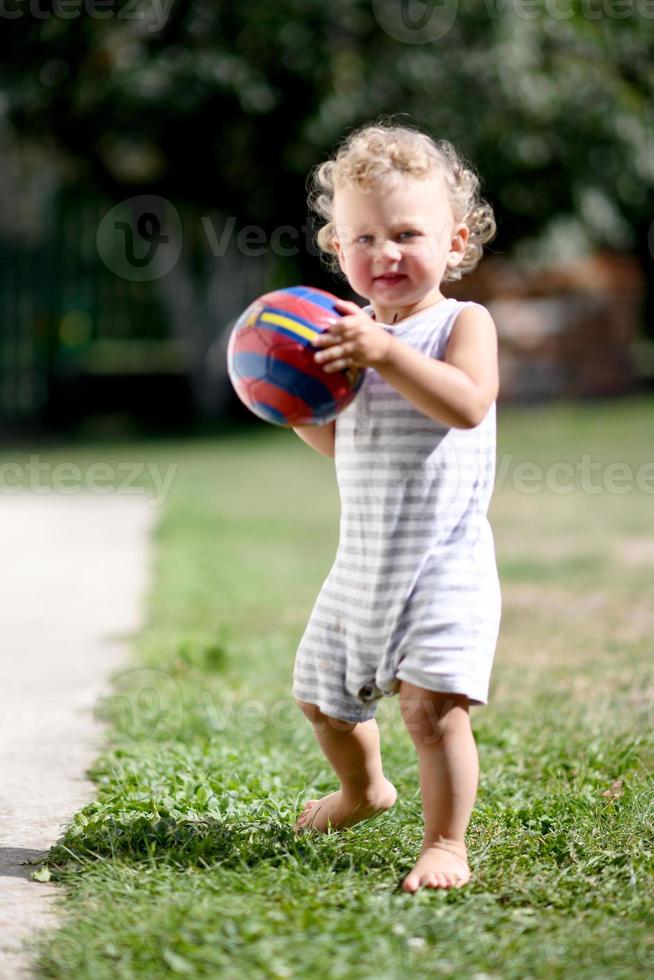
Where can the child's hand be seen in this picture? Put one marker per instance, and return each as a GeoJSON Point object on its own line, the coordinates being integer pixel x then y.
{"type": "Point", "coordinates": [353, 341]}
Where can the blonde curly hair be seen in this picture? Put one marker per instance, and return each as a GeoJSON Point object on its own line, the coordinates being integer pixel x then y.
{"type": "Point", "coordinates": [378, 153]}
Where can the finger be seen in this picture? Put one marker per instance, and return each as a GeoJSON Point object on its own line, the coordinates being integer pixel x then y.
{"type": "Point", "coordinates": [346, 304]}
{"type": "Point", "coordinates": [324, 360]}
{"type": "Point", "coordinates": [339, 365]}
{"type": "Point", "coordinates": [328, 327]}
{"type": "Point", "coordinates": [348, 319]}
{"type": "Point", "coordinates": [327, 337]}
{"type": "Point", "coordinates": [337, 350]}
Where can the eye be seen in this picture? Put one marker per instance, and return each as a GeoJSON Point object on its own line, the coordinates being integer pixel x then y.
{"type": "Point", "coordinates": [411, 234]}
{"type": "Point", "coordinates": [364, 238]}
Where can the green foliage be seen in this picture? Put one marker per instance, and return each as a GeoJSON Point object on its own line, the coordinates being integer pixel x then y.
{"type": "Point", "coordinates": [226, 106]}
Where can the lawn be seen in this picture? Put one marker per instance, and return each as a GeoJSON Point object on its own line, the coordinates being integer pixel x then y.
{"type": "Point", "coordinates": [186, 863]}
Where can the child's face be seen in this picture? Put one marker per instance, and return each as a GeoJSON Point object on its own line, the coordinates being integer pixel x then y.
{"type": "Point", "coordinates": [395, 244]}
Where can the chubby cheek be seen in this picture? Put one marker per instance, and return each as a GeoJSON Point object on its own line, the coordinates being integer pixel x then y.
{"type": "Point", "coordinates": [429, 258]}
{"type": "Point", "coordinates": [358, 268]}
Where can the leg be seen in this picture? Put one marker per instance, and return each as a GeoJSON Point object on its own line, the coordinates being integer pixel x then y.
{"type": "Point", "coordinates": [352, 749]}
{"type": "Point", "coordinates": [448, 765]}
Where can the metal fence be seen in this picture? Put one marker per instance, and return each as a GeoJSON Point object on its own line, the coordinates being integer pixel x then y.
{"type": "Point", "coordinates": [23, 343]}
{"type": "Point", "coordinates": [64, 314]}
{"type": "Point", "coordinates": [69, 324]}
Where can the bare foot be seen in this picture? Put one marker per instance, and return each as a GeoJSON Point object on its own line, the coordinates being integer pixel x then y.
{"type": "Point", "coordinates": [335, 812]}
{"type": "Point", "coordinates": [443, 865]}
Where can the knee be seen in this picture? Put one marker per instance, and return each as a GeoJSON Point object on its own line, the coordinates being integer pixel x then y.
{"type": "Point", "coordinates": [320, 720]}
{"type": "Point", "coordinates": [310, 711]}
{"type": "Point", "coordinates": [431, 716]}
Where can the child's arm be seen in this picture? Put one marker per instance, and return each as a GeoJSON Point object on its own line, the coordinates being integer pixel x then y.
{"type": "Point", "coordinates": [319, 437]}
{"type": "Point", "coordinates": [459, 390]}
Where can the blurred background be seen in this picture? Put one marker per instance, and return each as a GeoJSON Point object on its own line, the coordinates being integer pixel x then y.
{"type": "Point", "coordinates": [154, 158]}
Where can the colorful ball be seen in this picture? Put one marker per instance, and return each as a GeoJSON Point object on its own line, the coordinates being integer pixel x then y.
{"type": "Point", "coordinates": [270, 359]}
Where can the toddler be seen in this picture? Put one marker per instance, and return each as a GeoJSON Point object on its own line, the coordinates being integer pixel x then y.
{"type": "Point", "coordinates": [412, 603]}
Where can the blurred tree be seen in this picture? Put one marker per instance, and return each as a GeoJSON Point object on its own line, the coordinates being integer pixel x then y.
{"type": "Point", "coordinates": [224, 107]}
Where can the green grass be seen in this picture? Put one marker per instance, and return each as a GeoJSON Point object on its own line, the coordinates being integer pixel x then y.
{"type": "Point", "coordinates": [186, 864]}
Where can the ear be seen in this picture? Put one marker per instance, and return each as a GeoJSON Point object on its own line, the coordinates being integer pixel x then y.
{"type": "Point", "coordinates": [458, 244]}
{"type": "Point", "coordinates": [339, 252]}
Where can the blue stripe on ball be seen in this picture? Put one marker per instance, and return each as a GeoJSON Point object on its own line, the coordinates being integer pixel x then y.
{"type": "Point", "coordinates": [258, 366]}
{"type": "Point", "coordinates": [268, 413]}
{"type": "Point", "coordinates": [306, 292]}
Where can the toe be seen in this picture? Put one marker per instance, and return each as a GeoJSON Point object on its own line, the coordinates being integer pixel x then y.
{"type": "Point", "coordinates": [308, 807]}
{"type": "Point", "coordinates": [302, 820]}
{"type": "Point", "coordinates": [411, 883]}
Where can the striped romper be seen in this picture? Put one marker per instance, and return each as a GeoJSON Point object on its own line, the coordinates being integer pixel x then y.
{"type": "Point", "coordinates": [413, 593]}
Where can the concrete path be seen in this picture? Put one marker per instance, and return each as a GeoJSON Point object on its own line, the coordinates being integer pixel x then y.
{"type": "Point", "coordinates": [73, 577]}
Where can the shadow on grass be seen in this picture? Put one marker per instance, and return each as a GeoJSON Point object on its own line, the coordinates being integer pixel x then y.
{"type": "Point", "coordinates": [209, 842]}
{"type": "Point", "coordinates": [562, 850]}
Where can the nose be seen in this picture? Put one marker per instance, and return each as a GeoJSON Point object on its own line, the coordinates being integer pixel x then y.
{"type": "Point", "coordinates": [389, 250]}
